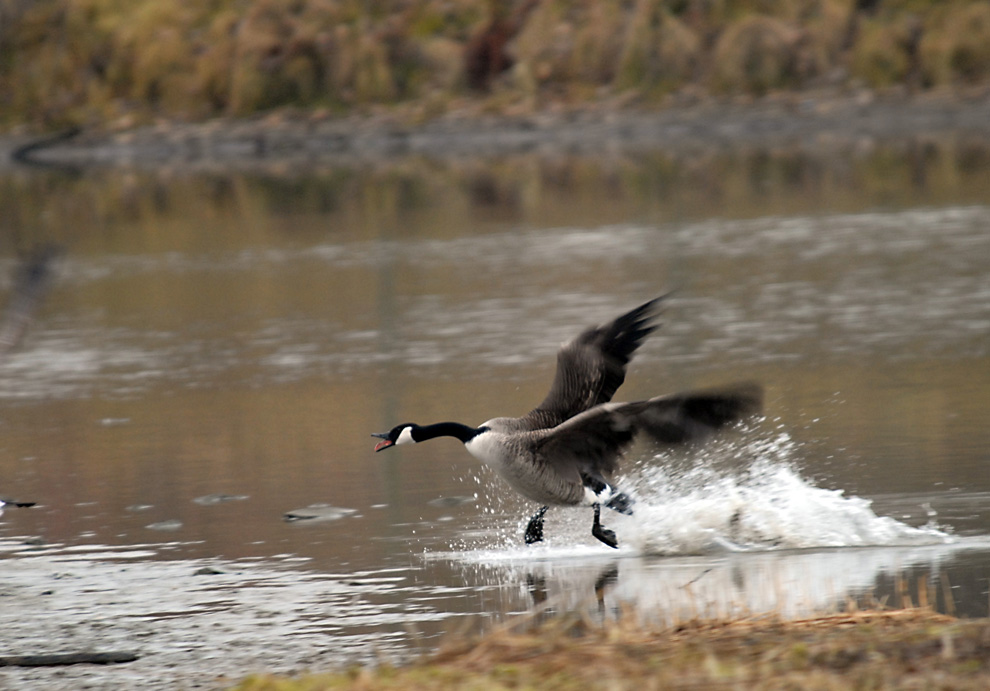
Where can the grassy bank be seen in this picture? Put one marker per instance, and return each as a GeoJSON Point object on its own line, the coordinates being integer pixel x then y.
{"type": "Point", "coordinates": [913, 648]}
{"type": "Point", "coordinates": [121, 62]}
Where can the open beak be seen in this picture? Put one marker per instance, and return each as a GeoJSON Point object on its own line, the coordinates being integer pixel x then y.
{"type": "Point", "coordinates": [385, 441]}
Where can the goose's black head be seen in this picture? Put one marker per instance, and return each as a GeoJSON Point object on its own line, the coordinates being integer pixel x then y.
{"type": "Point", "coordinates": [400, 434]}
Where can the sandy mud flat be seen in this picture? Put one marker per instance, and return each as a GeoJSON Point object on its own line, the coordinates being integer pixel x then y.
{"type": "Point", "coordinates": [814, 122]}
{"type": "Point", "coordinates": [191, 623]}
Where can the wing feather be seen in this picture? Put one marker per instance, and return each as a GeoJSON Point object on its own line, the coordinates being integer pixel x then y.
{"type": "Point", "coordinates": [592, 366]}
{"type": "Point", "coordinates": [593, 441]}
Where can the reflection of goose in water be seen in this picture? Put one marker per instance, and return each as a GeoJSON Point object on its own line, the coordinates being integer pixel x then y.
{"type": "Point", "coordinates": [30, 282]}
{"type": "Point", "coordinates": [566, 451]}
{"type": "Point", "coordinates": [790, 584]}
{"type": "Point", "coordinates": [543, 606]}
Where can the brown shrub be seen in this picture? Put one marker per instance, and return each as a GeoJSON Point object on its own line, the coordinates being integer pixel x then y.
{"type": "Point", "coordinates": [760, 53]}
{"type": "Point", "coordinates": [215, 63]}
{"type": "Point", "coordinates": [544, 46]}
{"type": "Point", "coordinates": [955, 47]}
{"type": "Point", "coordinates": [599, 41]}
{"type": "Point", "coordinates": [660, 51]}
{"type": "Point", "coordinates": [880, 56]}
{"type": "Point", "coordinates": [291, 52]}
{"type": "Point", "coordinates": [827, 22]}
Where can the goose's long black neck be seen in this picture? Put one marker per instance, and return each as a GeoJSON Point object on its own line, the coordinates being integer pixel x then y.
{"type": "Point", "coordinates": [447, 429]}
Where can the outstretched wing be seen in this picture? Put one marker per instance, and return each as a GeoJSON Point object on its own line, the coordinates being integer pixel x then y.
{"type": "Point", "coordinates": [593, 441]}
{"type": "Point", "coordinates": [592, 367]}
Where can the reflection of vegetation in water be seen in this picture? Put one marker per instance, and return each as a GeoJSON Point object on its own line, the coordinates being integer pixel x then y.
{"type": "Point", "coordinates": [150, 211]}
{"type": "Point", "coordinates": [85, 61]}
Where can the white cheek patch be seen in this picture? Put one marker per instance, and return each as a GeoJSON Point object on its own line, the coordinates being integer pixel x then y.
{"type": "Point", "coordinates": [405, 436]}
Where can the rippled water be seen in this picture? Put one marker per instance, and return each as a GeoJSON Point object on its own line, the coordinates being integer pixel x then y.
{"type": "Point", "coordinates": [214, 353]}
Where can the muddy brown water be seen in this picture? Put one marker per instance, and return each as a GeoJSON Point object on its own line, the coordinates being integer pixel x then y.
{"type": "Point", "coordinates": [215, 351]}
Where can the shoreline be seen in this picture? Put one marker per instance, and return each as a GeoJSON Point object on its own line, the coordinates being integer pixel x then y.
{"type": "Point", "coordinates": [816, 122]}
{"type": "Point", "coordinates": [915, 647]}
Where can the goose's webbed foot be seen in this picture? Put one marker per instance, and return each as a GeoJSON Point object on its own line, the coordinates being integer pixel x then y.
{"type": "Point", "coordinates": [604, 534]}
{"type": "Point", "coordinates": [534, 531]}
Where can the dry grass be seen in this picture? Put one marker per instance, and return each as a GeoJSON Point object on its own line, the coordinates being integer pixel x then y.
{"type": "Point", "coordinates": [96, 61]}
{"type": "Point", "coordinates": [955, 48]}
{"type": "Point", "coordinates": [660, 51]}
{"type": "Point", "coordinates": [757, 54]}
{"type": "Point", "coordinates": [911, 648]}
{"type": "Point", "coordinates": [881, 55]}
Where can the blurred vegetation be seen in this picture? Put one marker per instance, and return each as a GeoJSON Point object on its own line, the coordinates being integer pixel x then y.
{"type": "Point", "coordinates": [120, 62]}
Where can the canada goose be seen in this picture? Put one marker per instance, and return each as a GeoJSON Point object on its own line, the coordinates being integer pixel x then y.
{"type": "Point", "coordinates": [15, 503]}
{"type": "Point", "coordinates": [566, 450]}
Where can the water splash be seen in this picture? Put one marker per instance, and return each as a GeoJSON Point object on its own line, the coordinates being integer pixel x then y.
{"type": "Point", "coordinates": [741, 495]}
{"type": "Point", "coordinates": [753, 498]}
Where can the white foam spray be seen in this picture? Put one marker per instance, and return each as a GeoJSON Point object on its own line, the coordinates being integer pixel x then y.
{"type": "Point", "coordinates": [760, 502]}
{"type": "Point", "coordinates": [731, 495]}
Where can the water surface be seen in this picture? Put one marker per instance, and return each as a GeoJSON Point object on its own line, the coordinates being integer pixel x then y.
{"type": "Point", "coordinates": [216, 350]}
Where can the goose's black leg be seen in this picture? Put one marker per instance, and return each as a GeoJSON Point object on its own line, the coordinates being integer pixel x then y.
{"type": "Point", "coordinates": [604, 534]}
{"type": "Point", "coordinates": [606, 579]}
{"type": "Point", "coordinates": [534, 531]}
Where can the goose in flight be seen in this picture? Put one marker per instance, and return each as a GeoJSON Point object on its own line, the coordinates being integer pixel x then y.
{"type": "Point", "coordinates": [565, 452]}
